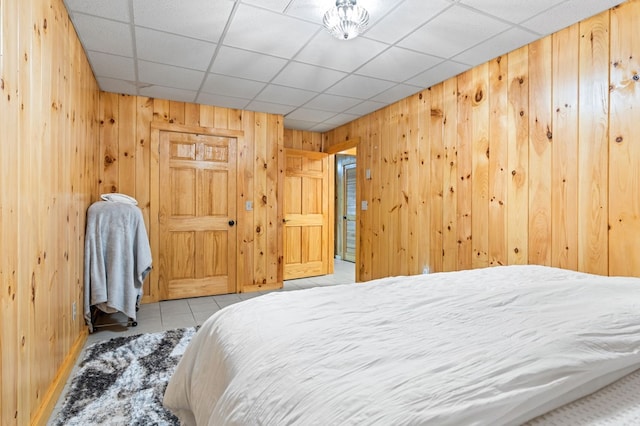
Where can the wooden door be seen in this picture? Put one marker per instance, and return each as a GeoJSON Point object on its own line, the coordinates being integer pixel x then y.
{"type": "Point", "coordinates": [349, 214]}
{"type": "Point", "coordinates": [197, 211]}
{"type": "Point", "coordinates": [306, 214]}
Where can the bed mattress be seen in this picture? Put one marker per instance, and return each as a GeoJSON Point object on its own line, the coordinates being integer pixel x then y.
{"type": "Point", "coordinates": [492, 346]}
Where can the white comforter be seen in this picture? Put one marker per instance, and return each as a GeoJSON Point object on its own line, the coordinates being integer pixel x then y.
{"type": "Point", "coordinates": [490, 346]}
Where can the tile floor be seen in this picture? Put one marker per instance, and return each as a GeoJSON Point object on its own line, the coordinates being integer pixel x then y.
{"type": "Point", "coordinates": [167, 315]}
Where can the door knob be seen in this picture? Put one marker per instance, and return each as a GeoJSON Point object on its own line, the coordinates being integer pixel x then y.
{"type": "Point", "coordinates": [232, 222]}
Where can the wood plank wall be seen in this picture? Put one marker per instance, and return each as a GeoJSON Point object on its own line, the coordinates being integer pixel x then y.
{"type": "Point", "coordinates": [48, 125]}
{"type": "Point", "coordinates": [303, 139]}
{"type": "Point", "coordinates": [529, 158]}
{"type": "Point", "coordinates": [125, 129]}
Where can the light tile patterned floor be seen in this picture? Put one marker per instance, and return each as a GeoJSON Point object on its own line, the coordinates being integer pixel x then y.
{"type": "Point", "coordinates": [167, 315]}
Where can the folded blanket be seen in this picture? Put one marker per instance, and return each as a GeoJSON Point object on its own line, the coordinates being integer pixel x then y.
{"type": "Point", "coordinates": [117, 258]}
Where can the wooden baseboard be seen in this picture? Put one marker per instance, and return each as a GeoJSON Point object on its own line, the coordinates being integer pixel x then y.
{"type": "Point", "coordinates": [41, 417]}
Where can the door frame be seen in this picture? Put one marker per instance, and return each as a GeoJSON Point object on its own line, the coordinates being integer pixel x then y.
{"type": "Point", "coordinates": [155, 292]}
{"type": "Point", "coordinates": [349, 146]}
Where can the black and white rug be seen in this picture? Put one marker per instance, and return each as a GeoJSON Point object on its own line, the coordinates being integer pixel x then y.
{"type": "Point", "coordinates": [122, 381]}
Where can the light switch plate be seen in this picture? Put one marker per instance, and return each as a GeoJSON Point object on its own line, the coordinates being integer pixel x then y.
{"type": "Point", "coordinates": [364, 205]}
{"type": "Point", "coordinates": [248, 206]}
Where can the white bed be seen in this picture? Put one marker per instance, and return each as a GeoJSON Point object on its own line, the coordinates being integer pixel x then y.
{"type": "Point", "coordinates": [490, 346]}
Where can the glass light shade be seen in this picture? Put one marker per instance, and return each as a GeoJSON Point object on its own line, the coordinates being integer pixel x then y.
{"type": "Point", "coordinates": [346, 20]}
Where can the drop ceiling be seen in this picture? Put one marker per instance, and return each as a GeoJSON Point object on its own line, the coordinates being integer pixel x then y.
{"type": "Point", "coordinates": [274, 55]}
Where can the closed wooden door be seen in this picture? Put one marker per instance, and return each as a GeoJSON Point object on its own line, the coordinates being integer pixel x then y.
{"type": "Point", "coordinates": [306, 214]}
{"type": "Point", "coordinates": [197, 211]}
{"type": "Point", "coordinates": [349, 214]}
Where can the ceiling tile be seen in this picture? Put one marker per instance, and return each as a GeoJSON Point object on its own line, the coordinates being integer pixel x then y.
{"type": "Point", "coordinates": [514, 11]}
{"type": "Point", "coordinates": [341, 119]}
{"type": "Point", "coordinates": [327, 51]}
{"type": "Point", "coordinates": [262, 31]}
{"type": "Point", "coordinates": [113, 85]}
{"type": "Point", "coordinates": [102, 35]}
{"type": "Point", "coordinates": [570, 11]}
{"type": "Point", "coordinates": [270, 107]}
{"type": "Point", "coordinates": [285, 95]}
{"type": "Point", "coordinates": [452, 32]}
{"type": "Point", "coordinates": [322, 127]}
{"type": "Point", "coordinates": [201, 19]}
{"type": "Point", "coordinates": [222, 101]}
{"type": "Point", "coordinates": [360, 87]}
{"type": "Point", "coordinates": [304, 76]}
{"type": "Point", "coordinates": [165, 48]}
{"type": "Point", "coordinates": [438, 73]}
{"type": "Point", "coordinates": [397, 64]}
{"type": "Point", "coordinates": [332, 103]}
{"type": "Point", "coordinates": [231, 86]}
{"type": "Point", "coordinates": [396, 93]}
{"type": "Point", "coordinates": [112, 66]}
{"type": "Point", "coordinates": [275, 5]}
{"type": "Point", "coordinates": [112, 9]}
{"type": "Point", "coordinates": [496, 46]}
{"type": "Point", "coordinates": [169, 93]}
{"type": "Point", "coordinates": [290, 123]}
{"type": "Point", "coordinates": [166, 75]}
{"type": "Point", "coordinates": [404, 19]}
{"type": "Point", "coordinates": [307, 114]}
{"type": "Point", "coordinates": [365, 107]}
{"type": "Point", "coordinates": [245, 64]}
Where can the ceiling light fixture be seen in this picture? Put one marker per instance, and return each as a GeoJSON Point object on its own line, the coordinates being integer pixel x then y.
{"type": "Point", "coordinates": [346, 20]}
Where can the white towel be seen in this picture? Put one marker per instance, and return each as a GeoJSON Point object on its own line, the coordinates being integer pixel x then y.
{"type": "Point", "coordinates": [119, 198]}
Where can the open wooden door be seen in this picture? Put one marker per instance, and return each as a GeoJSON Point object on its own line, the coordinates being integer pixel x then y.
{"type": "Point", "coordinates": [306, 214]}
{"type": "Point", "coordinates": [197, 212]}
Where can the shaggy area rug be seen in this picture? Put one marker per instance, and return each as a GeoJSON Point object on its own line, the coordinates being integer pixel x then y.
{"type": "Point", "coordinates": [122, 381]}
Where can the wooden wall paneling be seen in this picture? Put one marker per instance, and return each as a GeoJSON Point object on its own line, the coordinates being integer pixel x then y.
{"type": "Point", "coordinates": [403, 198]}
{"type": "Point", "coordinates": [221, 118]}
{"type": "Point", "coordinates": [624, 153]}
{"type": "Point", "coordinates": [109, 143]}
{"type": "Point", "coordinates": [464, 189]}
{"type": "Point", "coordinates": [593, 150]}
{"type": "Point", "coordinates": [371, 258]}
{"type": "Point", "coordinates": [28, 191]}
{"type": "Point", "coordinates": [420, 179]}
{"type": "Point", "coordinates": [207, 115]}
{"type": "Point", "coordinates": [480, 116]}
{"type": "Point", "coordinates": [245, 274]}
{"type": "Point", "coordinates": [540, 148]}
{"type": "Point", "coordinates": [518, 156]}
{"type": "Point", "coordinates": [43, 105]}
{"type": "Point", "coordinates": [498, 160]}
{"type": "Point", "coordinates": [127, 145]}
{"type": "Point", "coordinates": [384, 243]}
{"type": "Point", "coordinates": [432, 120]}
{"type": "Point", "coordinates": [280, 176]}
{"type": "Point", "coordinates": [450, 177]}
{"type": "Point", "coordinates": [9, 212]}
{"type": "Point", "coordinates": [143, 117]}
{"type": "Point", "coordinates": [161, 110]}
{"type": "Point", "coordinates": [363, 218]}
{"type": "Point", "coordinates": [393, 205]}
{"type": "Point", "coordinates": [273, 227]}
{"type": "Point", "coordinates": [176, 112]}
{"type": "Point", "coordinates": [260, 216]}
{"type": "Point", "coordinates": [192, 114]}
{"type": "Point", "coordinates": [564, 184]}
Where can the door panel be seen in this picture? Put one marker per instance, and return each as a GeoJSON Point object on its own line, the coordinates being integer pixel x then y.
{"type": "Point", "coordinates": [306, 214]}
{"type": "Point", "coordinates": [197, 185]}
